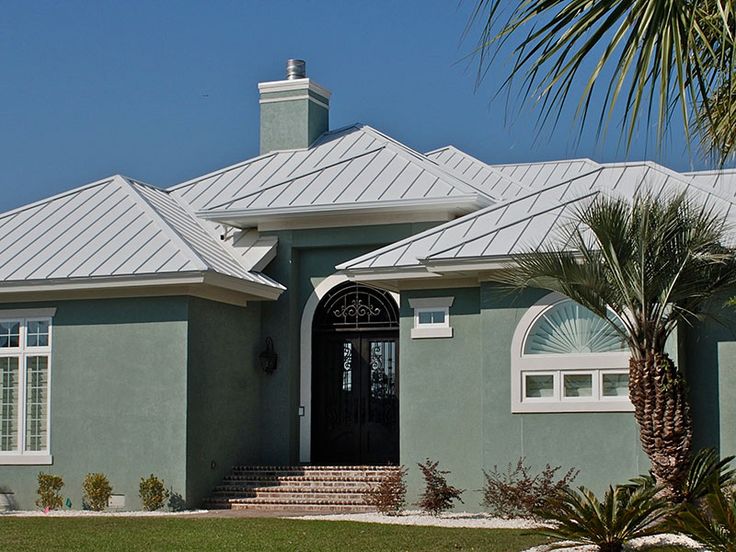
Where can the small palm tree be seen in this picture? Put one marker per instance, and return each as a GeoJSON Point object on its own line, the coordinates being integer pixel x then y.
{"type": "Point", "coordinates": [625, 513]}
{"type": "Point", "coordinates": [655, 263]}
{"type": "Point", "coordinates": [714, 525]}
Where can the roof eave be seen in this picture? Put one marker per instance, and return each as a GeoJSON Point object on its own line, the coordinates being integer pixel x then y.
{"type": "Point", "coordinates": [244, 218]}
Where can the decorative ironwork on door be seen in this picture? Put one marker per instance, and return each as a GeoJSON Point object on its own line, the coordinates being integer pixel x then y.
{"type": "Point", "coordinates": [355, 306]}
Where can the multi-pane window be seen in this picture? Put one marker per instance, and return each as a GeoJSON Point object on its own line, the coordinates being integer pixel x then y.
{"type": "Point", "coordinates": [25, 359]}
{"type": "Point", "coordinates": [566, 358]}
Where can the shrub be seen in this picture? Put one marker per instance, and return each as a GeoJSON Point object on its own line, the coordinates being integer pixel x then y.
{"type": "Point", "coordinates": [705, 473]}
{"type": "Point", "coordinates": [438, 496]}
{"type": "Point", "coordinates": [389, 496]}
{"type": "Point", "coordinates": [519, 493]}
{"type": "Point", "coordinates": [625, 513]}
{"type": "Point", "coordinates": [49, 495]}
{"type": "Point", "coordinates": [96, 491]}
{"type": "Point", "coordinates": [153, 493]}
{"type": "Point", "coordinates": [713, 525]}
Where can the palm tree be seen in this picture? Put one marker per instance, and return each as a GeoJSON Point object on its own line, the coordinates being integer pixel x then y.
{"type": "Point", "coordinates": [655, 262]}
{"type": "Point", "coordinates": [660, 58]}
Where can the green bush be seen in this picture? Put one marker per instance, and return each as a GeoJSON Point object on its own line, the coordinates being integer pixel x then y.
{"type": "Point", "coordinates": [438, 496]}
{"type": "Point", "coordinates": [705, 472]}
{"type": "Point", "coordinates": [49, 491]}
{"type": "Point", "coordinates": [625, 513]}
{"type": "Point", "coordinates": [96, 491]}
{"type": "Point", "coordinates": [153, 493]}
{"type": "Point", "coordinates": [518, 492]}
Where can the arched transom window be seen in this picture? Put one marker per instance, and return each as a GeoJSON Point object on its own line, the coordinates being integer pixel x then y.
{"type": "Point", "coordinates": [565, 358]}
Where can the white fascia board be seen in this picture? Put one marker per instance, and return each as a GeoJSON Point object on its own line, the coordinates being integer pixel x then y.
{"type": "Point", "coordinates": [141, 281]}
{"type": "Point", "coordinates": [251, 217]}
{"type": "Point", "coordinates": [294, 85]}
{"type": "Point", "coordinates": [468, 265]}
{"type": "Point", "coordinates": [382, 274]}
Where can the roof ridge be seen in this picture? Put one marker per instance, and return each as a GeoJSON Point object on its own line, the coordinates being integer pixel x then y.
{"type": "Point", "coordinates": [292, 178]}
{"type": "Point", "coordinates": [47, 200]}
{"type": "Point", "coordinates": [588, 159]}
{"type": "Point", "coordinates": [528, 216]}
{"type": "Point", "coordinates": [434, 167]}
{"type": "Point", "coordinates": [488, 166]}
{"type": "Point", "coordinates": [167, 228]}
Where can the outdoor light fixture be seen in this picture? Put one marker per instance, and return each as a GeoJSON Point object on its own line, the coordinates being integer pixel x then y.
{"type": "Point", "coordinates": [268, 357]}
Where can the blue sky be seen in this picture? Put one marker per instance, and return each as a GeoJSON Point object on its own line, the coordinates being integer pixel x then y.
{"type": "Point", "coordinates": [164, 91]}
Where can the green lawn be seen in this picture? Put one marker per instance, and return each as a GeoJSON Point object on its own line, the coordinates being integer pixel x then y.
{"type": "Point", "coordinates": [262, 535]}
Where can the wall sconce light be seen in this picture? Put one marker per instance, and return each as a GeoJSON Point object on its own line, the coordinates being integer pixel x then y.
{"type": "Point", "coordinates": [268, 358]}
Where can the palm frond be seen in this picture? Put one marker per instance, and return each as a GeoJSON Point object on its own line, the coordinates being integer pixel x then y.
{"type": "Point", "coordinates": [655, 58]}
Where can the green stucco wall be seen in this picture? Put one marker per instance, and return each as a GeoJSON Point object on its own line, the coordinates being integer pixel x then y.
{"type": "Point", "coordinates": [223, 393]}
{"type": "Point", "coordinates": [291, 124]}
{"type": "Point", "coordinates": [456, 403]}
{"type": "Point", "coordinates": [305, 258]}
{"type": "Point", "coordinates": [118, 396]}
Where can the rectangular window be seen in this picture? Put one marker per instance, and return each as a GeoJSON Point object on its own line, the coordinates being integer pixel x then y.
{"type": "Point", "coordinates": [539, 386]}
{"type": "Point", "coordinates": [431, 317]}
{"type": "Point", "coordinates": [25, 366]}
{"type": "Point", "coordinates": [577, 386]}
{"type": "Point", "coordinates": [614, 384]}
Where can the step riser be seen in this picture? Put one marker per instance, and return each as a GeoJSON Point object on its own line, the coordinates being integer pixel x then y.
{"type": "Point", "coordinates": [330, 489]}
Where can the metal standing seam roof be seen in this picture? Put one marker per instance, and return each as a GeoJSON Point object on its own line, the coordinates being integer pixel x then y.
{"type": "Point", "coordinates": [477, 173]}
{"type": "Point", "coordinates": [526, 222]}
{"type": "Point", "coordinates": [542, 174]}
{"type": "Point", "coordinates": [112, 227]}
{"type": "Point", "coordinates": [351, 166]}
{"type": "Point", "coordinates": [722, 183]}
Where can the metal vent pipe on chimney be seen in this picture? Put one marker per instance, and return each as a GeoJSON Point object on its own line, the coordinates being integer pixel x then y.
{"type": "Point", "coordinates": [296, 69]}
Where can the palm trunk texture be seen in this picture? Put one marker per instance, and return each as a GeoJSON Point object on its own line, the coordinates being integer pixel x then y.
{"type": "Point", "coordinates": [659, 394]}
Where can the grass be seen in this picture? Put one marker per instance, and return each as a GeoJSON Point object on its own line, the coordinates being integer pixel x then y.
{"type": "Point", "coordinates": [262, 535]}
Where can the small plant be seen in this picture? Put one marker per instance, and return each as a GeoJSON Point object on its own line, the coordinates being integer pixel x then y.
{"type": "Point", "coordinates": [96, 491]}
{"type": "Point", "coordinates": [519, 493]}
{"type": "Point", "coordinates": [438, 496]}
{"type": "Point", "coordinates": [389, 496]}
{"type": "Point", "coordinates": [625, 513]}
{"type": "Point", "coordinates": [153, 493]}
{"type": "Point", "coordinates": [705, 472]}
{"type": "Point", "coordinates": [713, 525]}
{"type": "Point", "coordinates": [49, 491]}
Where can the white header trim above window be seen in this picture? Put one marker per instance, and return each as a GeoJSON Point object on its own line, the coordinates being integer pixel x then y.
{"type": "Point", "coordinates": [430, 302]}
{"type": "Point", "coordinates": [27, 313]}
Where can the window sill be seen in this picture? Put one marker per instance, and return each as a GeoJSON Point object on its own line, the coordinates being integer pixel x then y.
{"type": "Point", "coordinates": [26, 459]}
{"type": "Point", "coordinates": [430, 333]}
{"type": "Point", "coordinates": [542, 407]}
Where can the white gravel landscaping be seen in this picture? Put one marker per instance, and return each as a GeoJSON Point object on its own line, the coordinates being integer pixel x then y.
{"type": "Point", "coordinates": [657, 540]}
{"type": "Point", "coordinates": [459, 519]}
{"type": "Point", "coordinates": [88, 513]}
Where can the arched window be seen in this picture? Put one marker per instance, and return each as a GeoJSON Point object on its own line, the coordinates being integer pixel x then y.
{"type": "Point", "coordinates": [565, 358]}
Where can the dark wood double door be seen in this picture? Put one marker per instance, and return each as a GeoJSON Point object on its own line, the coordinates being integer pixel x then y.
{"type": "Point", "coordinates": [355, 397]}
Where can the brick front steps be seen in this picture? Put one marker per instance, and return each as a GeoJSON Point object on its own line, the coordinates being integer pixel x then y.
{"type": "Point", "coordinates": [323, 489]}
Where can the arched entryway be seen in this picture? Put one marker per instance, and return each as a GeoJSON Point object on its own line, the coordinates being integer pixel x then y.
{"type": "Point", "coordinates": [355, 377]}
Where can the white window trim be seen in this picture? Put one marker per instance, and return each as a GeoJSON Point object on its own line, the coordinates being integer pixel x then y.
{"type": "Point", "coordinates": [22, 457]}
{"type": "Point", "coordinates": [431, 330]}
{"type": "Point", "coordinates": [557, 365]}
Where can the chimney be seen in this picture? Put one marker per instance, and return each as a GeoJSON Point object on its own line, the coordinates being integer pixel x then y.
{"type": "Point", "coordinates": [294, 112]}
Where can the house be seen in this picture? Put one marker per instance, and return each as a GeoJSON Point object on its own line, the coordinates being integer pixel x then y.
{"type": "Point", "coordinates": [324, 303]}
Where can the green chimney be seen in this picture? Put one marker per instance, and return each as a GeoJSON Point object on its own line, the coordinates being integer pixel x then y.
{"type": "Point", "coordinates": [294, 112]}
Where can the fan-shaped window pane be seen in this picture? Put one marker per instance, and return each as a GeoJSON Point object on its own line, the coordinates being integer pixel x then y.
{"type": "Point", "coordinates": [568, 328]}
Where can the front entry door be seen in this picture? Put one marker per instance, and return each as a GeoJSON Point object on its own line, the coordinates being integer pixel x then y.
{"type": "Point", "coordinates": [355, 398]}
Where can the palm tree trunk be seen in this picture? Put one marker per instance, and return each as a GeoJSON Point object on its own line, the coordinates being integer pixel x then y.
{"type": "Point", "coordinates": [659, 394]}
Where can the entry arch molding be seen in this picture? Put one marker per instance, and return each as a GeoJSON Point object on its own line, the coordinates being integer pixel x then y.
{"type": "Point", "coordinates": [321, 289]}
